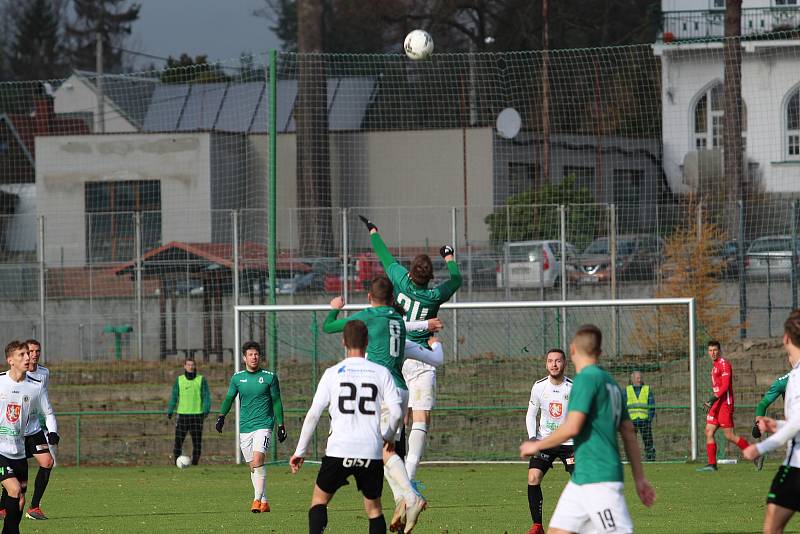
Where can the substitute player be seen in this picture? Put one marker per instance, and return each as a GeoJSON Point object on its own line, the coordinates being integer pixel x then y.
{"type": "Point", "coordinates": [720, 406]}
{"type": "Point", "coordinates": [419, 303]}
{"type": "Point", "coordinates": [593, 498]}
{"type": "Point", "coordinates": [783, 499]}
{"type": "Point", "coordinates": [776, 389]}
{"type": "Point", "coordinates": [21, 399]}
{"type": "Point", "coordinates": [387, 347]}
{"type": "Point", "coordinates": [261, 407]}
{"type": "Point", "coordinates": [355, 393]}
{"type": "Point", "coordinates": [550, 396]}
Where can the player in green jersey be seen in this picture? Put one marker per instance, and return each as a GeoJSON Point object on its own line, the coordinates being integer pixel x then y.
{"type": "Point", "coordinates": [260, 408]}
{"type": "Point", "coordinates": [387, 341]}
{"type": "Point", "coordinates": [419, 302]}
{"type": "Point", "coordinates": [777, 389]}
{"type": "Point", "coordinates": [594, 495]}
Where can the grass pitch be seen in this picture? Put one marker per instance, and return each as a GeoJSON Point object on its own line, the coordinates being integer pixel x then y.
{"type": "Point", "coordinates": [463, 498]}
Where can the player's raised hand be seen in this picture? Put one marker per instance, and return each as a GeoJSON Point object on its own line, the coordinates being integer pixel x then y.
{"type": "Point", "coordinates": [337, 303]}
{"type": "Point", "coordinates": [281, 434]}
{"type": "Point", "coordinates": [646, 492]}
{"type": "Point", "coordinates": [435, 324]}
{"type": "Point", "coordinates": [368, 224]}
{"type": "Point", "coordinates": [528, 448]}
{"type": "Point", "coordinates": [296, 462]}
{"type": "Point", "coordinates": [446, 251]}
{"type": "Point", "coordinates": [220, 423]}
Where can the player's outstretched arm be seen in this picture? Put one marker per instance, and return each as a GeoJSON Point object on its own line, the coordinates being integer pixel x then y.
{"type": "Point", "coordinates": [318, 405]}
{"type": "Point", "coordinates": [333, 325]}
{"type": "Point", "coordinates": [530, 415]}
{"type": "Point", "coordinates": [205, 396]}
{"type": "Point", "coordinates": [569, 429]}
{"type": "Point", "coordinates": [449, 287]}
{"type": "Point", "coordinates": [643, 488]}
{"type": "Point", "coordinates": [432, 356]}
{"type": "Point", "coordinates": [277, 407]}
{"type": "Point", "coordinates": [226, 405]}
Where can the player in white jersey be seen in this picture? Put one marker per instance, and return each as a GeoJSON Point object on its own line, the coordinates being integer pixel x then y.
{"type": "Point", "coordinates": [21, 398]}
{"type": "Point", "coordinates": [783, 499]}
{"type": "Point", "coordinates": [37, 444]}
{"type": "Point", "coordinates": [549, 398]}
{"type": "Point", "coordinates": [354, 392]}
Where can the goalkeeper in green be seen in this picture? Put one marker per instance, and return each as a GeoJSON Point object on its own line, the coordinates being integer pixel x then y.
{"type": "Point", "coordinates": [777, 389]}
{"type": "Point", "coordinates": [387, 347]}
{"type": "Point", "coordinates": [419, 302]}
{"type": "Point", "coordinates": [261, 407]}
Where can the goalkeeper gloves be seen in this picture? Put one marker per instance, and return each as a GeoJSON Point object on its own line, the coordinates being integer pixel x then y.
{"type": "Point", "coordinates": [756, 431]}
{"type": "Point", "coordinates": [368, 223]}
{"type": "Point", "coordinates": [281, 434]}
{"type": "Point", "coordinates": [446, 250]}
{"type": "Point", "coordinates": [53, 438]}
{"type": "Point", "coordinates": [220, 423]}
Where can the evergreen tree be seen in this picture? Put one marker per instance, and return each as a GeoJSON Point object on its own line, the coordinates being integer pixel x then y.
{"type": "Point", "coordinates": [36, 52]}
{"type": "Point", "coordinates": [112, 20]}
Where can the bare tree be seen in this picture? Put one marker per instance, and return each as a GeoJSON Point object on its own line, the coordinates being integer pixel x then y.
{"type": "Point", "coordinates": [732, 103]}
{"type": "Point", "coordinates": [313, 151]}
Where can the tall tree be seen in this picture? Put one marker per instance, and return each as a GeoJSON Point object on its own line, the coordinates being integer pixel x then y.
{"type": "Point", "coordinates": [37, 52]}
{"type": "Point", "coordinates": [732, 101]}
{"type": "Point", "coordinates": [188, 70]}
{"type": "Point", "coordinates": [112, 19]}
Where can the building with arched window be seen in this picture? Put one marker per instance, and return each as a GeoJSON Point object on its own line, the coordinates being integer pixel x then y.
{"type": "Point", "coordinates": [693, 74]}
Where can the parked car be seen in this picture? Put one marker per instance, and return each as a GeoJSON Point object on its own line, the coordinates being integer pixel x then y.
{"type": "Point", "coordinates": [638, 256]}
{"type": "Point", "coordinates": [362, 269]}
{"type": "Point", "coordinates": [770, 256]}
{"type": "Point", "coordinates": [533, 263]}
{"type": "Point", "coordinates": [480, 268]}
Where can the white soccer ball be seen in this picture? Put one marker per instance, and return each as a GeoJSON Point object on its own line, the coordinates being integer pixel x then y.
{"type": "Point", "coordinates": [182, 462]}
{"type": "Point", "coordinates": [418, 45]}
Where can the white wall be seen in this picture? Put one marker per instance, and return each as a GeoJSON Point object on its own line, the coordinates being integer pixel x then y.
{"type": "Point", "coordinates": [696, 5]}
{"type": "Point", "coordinates": [767, 76]}
{"type": "Point", "coordinates": [65, 163]}
{"type": "Point", "coordinates": [75, 95]}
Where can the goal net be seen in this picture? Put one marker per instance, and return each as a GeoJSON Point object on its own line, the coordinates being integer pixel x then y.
{"type": "Point", "coordinates": [494, 352]}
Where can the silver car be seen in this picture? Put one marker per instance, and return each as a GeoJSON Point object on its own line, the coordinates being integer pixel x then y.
{"type": "Point", "coordinates": [533, 263]}
{"type": "Point", "coordinates": [770, 256]}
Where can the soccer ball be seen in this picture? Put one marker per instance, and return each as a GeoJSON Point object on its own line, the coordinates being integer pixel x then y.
{"type": "Point", "coordinates": [418, 45]}
{"type": "Point", "coordinates": [182, 462]}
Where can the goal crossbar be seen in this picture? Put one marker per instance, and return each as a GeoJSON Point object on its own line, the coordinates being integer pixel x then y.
{"type": "Point", "coordinates": [676, 301]}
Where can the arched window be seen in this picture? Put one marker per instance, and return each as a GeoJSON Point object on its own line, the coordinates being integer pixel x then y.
{"type": "Point", "coordinates": [709, 118]}
{"type": "Point", "coordinates": [793, 125]}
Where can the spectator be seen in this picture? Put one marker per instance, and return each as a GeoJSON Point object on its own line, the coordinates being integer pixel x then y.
{"type": "Point", "coordinates": [641, 408]}
{"type": "Point", "coordinates": [193, 398]}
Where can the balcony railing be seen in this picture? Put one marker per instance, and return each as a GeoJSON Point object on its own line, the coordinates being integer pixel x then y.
{"type": "Point", "coordinates": [709, 23]}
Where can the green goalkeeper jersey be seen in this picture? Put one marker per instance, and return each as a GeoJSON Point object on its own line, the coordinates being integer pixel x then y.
{"type": "Point", "coordinates": [596, 394]}
{"type": "Point", "coordinates": [387, 337]}
{"type": "Point", "coordinates": [777, 389]}
{"type": "Point", "coordinates": [420, 303]}
{"type": "Point", "coordinates": [260, 399]}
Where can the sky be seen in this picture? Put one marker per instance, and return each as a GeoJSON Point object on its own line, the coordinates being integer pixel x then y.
{"type": "Point", "coordinates": [220, 29]}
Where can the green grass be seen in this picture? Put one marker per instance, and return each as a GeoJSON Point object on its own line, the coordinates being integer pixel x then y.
{"type": "Point", "coordinates": [463, 498]}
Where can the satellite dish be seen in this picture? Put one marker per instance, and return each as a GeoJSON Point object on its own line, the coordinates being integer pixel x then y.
{"type": "Point", "coordinates": [508, 123]}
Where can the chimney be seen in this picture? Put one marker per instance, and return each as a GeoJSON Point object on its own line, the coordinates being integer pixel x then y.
{"type": "Point", "coordinates": [43, 115]}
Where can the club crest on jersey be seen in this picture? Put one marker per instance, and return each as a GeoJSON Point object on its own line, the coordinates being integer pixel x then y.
{"type": "Point", "coordinates": [260, 379]}
{"type": "Point", "coordinates": [12, 412]}
{"type": "Point", "coordinates": [556, 409]}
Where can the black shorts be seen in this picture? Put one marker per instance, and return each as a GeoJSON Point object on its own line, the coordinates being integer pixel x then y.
{"type": "Point", "coordinates": [544, 459]}
{"type": "Point", "coordinates": [36, 444]}
{"type": "Point", "coordinates": [785, 488]}
{"type": "Point", "coordinates": [334, 472]}
{"type": "Point", "coordinates": [13, 468]}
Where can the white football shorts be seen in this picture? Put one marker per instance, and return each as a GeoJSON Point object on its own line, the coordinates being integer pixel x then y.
{"type": "Point", "coordinates": [421, 381]}
{"type": "Point", "coordinates": [385, 414]}
{"type": "Point", "coordinates": [255, 441]}
{"type": "Point", "coordinates": [592, 508]}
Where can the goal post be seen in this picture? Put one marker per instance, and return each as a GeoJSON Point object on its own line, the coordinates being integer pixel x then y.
{"type": "Point", "coordinates": [500, 354]}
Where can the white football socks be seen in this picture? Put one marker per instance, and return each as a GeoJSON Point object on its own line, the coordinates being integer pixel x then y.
{"type": "Point", "coordinates": [417, 439]}
{"type": "Point", "coordinates": [395, 473]}
{"type": "Point", "coordinates": [259, 479]}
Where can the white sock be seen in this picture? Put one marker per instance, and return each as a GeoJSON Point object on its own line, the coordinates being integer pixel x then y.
{"type": "Point", "coordinates": [395, 473]}
{"type": "Point", "coordinates": [417, 439]}
{"type": "Point", "coordinates": [259, 479]}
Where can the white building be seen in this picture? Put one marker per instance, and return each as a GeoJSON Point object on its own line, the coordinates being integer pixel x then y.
{"type": "Point", "coordinates": [692, 92]}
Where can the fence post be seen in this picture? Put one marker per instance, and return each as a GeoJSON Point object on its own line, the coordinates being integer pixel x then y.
{"type": "Point", "coordinates": [235, 249]}
{"type": "Point", "coordinates": [345, 259]}
{"type": "Point", "coordinates": [137, 224]}
{"type": "Point", "coordinates": [794, 254]}
{"type": "Point", "coordinates": [742, 276]}
{"type": "Point", "coordinates": [314, 363]}
{"type": "Point", "coordinates": [506, 283]}
{"type": "Point", "coordinates": [42, 285]}
{"type": "Point", "coordinates": [454, 238]}
{"type": "Point", "coordinates": [612, 249]}
{"type": "Point", "coordinates": [78, 440]}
